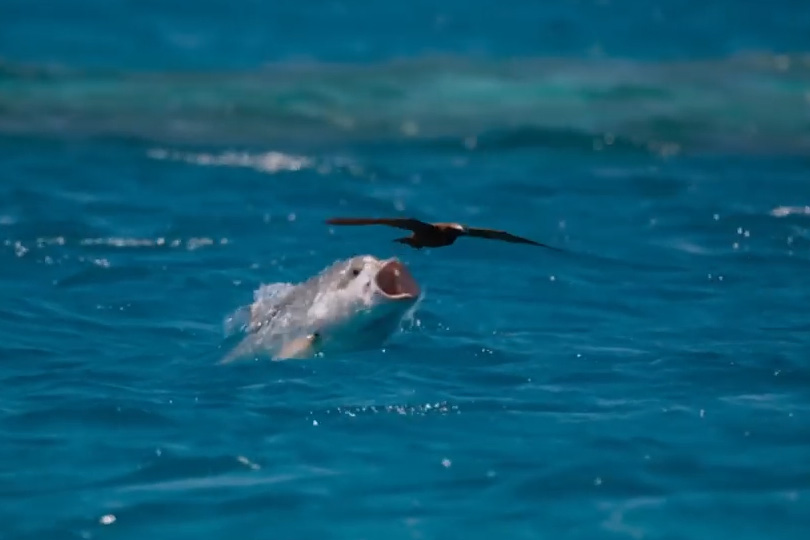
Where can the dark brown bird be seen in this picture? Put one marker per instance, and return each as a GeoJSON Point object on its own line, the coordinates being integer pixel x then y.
{"type": "Point", "coordinates": [435, 234]}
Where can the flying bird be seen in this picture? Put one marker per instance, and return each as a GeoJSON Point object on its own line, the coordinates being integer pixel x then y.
{"type": "Point", "coordinates": [435, 234]}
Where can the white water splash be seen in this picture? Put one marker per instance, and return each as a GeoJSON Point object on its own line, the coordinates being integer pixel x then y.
{"type": "Point", "coordinates": [267, 162]}
{"type": "Point", "coordinates": [263, 299]}
{"type": "Point", "coordinates": [272, 291]}
{"type": "Point", "coordinates": [782, 211]}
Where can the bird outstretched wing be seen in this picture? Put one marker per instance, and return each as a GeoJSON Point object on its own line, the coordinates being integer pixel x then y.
{"type": "Point", "coordinates": [494, 234]}
{"type": "Point", "coordinates": [409, 224]}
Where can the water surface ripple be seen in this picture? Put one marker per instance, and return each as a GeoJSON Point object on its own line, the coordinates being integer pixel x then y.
{"type": "Point", "coordinates": [649, 382]}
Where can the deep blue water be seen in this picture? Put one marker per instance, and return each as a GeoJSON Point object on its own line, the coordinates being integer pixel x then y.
{"type": "Point", "coordinates": [162, 160]}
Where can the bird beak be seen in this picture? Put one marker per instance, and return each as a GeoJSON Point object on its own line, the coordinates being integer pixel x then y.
{"type": "Point", "coordinates": [396, 282]}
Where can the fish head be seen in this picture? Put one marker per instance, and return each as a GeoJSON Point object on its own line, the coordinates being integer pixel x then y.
{"type": "Point", "coordinates": [379, 281]}
{"type": "Point", "coordinates": [364, 298]}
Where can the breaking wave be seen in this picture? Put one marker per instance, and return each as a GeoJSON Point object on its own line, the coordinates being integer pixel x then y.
{"type": "Point", "coordinates": [731, 104]}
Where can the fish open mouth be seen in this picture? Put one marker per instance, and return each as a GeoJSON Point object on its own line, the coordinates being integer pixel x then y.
{"type": "Point", "coordinates": [396, 282]}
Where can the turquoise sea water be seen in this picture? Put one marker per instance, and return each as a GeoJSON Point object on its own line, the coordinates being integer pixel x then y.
{"type": "Point", "coordinates": [160, 161]}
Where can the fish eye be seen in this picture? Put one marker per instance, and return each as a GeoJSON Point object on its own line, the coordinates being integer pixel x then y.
{"type": "Point", "coordinates": [355, 271]}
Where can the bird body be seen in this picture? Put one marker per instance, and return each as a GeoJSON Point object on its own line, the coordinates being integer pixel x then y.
{"type": "Point", "coordinates": [442, 234]}
{"type": "Point", "coordinates": [435, 234]}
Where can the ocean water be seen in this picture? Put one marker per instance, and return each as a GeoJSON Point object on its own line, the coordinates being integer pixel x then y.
{"type": "Point", "coordinates": [161, 161]}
